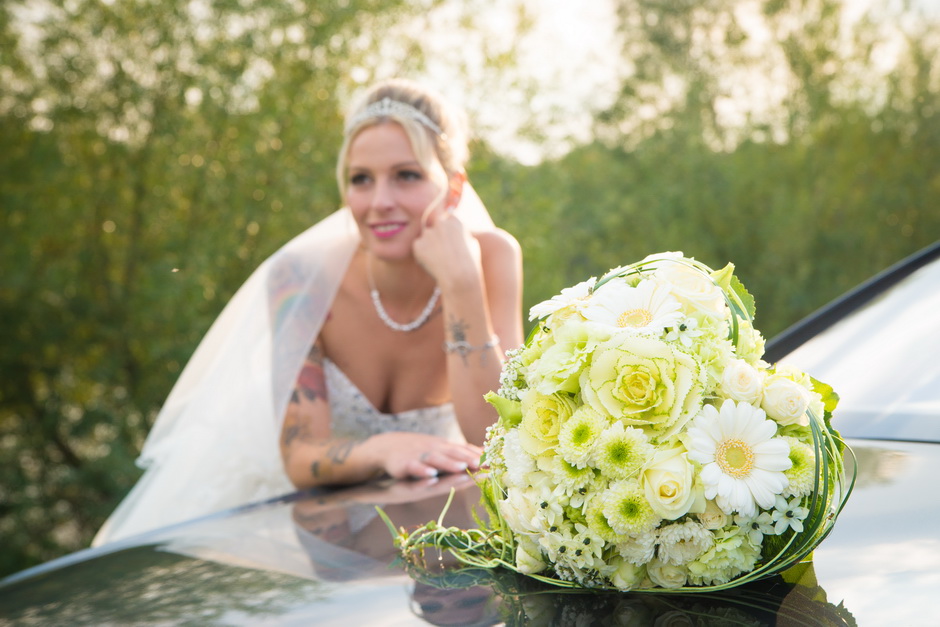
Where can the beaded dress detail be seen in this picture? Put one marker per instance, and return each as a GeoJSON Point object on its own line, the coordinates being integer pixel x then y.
{"type": "Point", "coordinates": [354, 416]}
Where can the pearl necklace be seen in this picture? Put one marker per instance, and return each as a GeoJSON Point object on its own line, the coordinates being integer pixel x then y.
{"type": "Point", "coordinates": [383, 315]}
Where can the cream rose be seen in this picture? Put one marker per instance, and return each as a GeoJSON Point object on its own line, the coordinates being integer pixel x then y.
{"type": "Point", "coordinates": [668, 483]}
{"type": "Point", "coordinates": [520, 510]}
{"type": "Point", "coordinates": [742, 382]}
{"type": "Point", "coordinates": [665, 575]}
{"type": "Point", "coordinates": [625, 576]}
{"type": "Point", "coordinates": [713, 518]}
{"type": "Point", "coordinates": [643, 381]}
{"type": "Point", "coordinates": [542, 417]}
{"type": "Point", "coordinates": [529, 556]}
{"type": "Point", "coordinates": [559, 366]}
{"type": "Point", "coordinates": [688, 284]}
{"type": "Point", "coordinates": [785, 400]}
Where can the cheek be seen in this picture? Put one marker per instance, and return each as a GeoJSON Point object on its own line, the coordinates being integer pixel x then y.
{"type": "Point", "coordinates": [359, 206]}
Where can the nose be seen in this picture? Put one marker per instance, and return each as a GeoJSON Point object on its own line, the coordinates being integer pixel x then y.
{"type": "Point", "coordinates": [383, 197]}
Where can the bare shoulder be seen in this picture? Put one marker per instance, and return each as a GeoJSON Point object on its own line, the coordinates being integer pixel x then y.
{"type": "Point", "coordinates": [499, 245]}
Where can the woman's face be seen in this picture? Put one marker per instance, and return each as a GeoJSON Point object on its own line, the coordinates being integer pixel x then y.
{"type": "Point", "coordinates": [388, 190]}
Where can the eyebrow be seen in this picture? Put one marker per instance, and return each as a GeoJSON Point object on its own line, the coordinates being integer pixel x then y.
{"type": "Point", "coordinates": [395, 166]}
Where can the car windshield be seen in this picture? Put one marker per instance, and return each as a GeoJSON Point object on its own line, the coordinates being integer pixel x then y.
{"type": "Point", "coordinates": [882, 360]}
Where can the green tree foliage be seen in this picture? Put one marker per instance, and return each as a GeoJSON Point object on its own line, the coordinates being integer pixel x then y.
{"type": "Point", "coordinates": [154, 153]}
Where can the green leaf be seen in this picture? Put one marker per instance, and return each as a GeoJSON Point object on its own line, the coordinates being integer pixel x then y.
{"type": "Point", "coordinates": [829, 396]}
{"type": "Point", "coordinates": [510, 412]}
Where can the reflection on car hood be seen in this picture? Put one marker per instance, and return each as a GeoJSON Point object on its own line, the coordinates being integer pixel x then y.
{"type": "Point", "coordinates": [327, 558]}
{"type": "Point", "coordinates": [882, 361]}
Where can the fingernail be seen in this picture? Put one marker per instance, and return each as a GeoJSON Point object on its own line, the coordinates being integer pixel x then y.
{"type": "Point", "coordinates": [431, 472]}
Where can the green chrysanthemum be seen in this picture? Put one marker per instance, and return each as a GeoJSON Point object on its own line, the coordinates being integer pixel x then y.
{"type": "Point", "coordinates": [569, 477]}
{"type": "Point", "coordinates": [802, 473]}
{"type": "Point", "coordinates": [621, 452]}
{"type": "Point", "coordinates": [579, 435]}
{"type": "Point", "coordinates": [597, 521]}
{"type": "Point", "coordinates": [627, 510]}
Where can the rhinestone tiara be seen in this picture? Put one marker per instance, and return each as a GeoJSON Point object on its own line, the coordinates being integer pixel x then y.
{"type": "Point", "coordinates": [386, 107]}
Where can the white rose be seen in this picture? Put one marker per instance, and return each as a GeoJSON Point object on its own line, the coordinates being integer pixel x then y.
{"type": "Point", "coordinates": [529, 556]}
{"type": "Point", "coordinates": [665, 575]}
{"type": "Point", "coordinates": [625, 576]}
{"type": "Point", "coordinates": [785, 400]}
{"type": "Point", "coordinates": [742, 382]}
{"type": "Point", "coordinates": [713, 518]}
{"type": "Point", "coordinates": [689, 285]}
{"type": "Point", "coordinates": [520, 510]}
{"type": "Point", "coordinates": [667, 483]}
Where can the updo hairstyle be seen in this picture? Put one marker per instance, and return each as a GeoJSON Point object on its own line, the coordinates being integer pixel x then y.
{"type": "Point", "coordinates": [449, 147]}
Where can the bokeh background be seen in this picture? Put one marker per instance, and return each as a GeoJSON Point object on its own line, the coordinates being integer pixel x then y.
{"type": "Point", "coordinates": [153, 152]}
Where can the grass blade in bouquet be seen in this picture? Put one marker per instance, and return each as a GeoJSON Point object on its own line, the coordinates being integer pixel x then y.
{"type": "Point", "coordinates": [644, 444]}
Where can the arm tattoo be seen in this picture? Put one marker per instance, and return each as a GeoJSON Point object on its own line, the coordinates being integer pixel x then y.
{"type": "Point", "coordinates": [337, 451]}
{"type": "Point", "coordinates": [458, 329]}
{"type": "Point", "coordinates": [311, 384]}
{"type": "Point", "coordinates": [291, 431]}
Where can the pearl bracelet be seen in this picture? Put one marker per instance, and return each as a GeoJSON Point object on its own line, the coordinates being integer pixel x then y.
{"type": "Point", "coordinates": [464, 348]}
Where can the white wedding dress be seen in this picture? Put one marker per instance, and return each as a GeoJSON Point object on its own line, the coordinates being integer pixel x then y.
{"type": "Point", "coordinates": [214, 444]}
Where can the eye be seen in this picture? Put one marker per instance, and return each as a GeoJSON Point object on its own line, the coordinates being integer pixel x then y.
{"type": "Point", "coordinates": [357, 179]}
{"type": "Point", "coordinates": [410, 175]}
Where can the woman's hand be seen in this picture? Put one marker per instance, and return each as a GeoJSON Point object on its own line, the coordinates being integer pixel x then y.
{"type": "Point", "coordinates": [449, 251]}
{"type": "Point", "coordinates": [405, 455]}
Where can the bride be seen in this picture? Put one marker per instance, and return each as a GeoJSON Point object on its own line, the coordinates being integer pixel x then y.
{"type": "Point", "coordinates": [361, 349]}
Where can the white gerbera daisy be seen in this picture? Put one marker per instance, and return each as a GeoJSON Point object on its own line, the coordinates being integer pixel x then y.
{"type": "Point", "coordinates": [575, 295]}
{"type": "Point", "coordinates": [645, 309]}
{"type": "Point", "coordinates": [742, 461]}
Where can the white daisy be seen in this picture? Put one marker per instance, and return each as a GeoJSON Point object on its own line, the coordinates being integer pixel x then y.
{"type": "Point", "coordinates": [742, 461]}
{"type": "Point", "coordinates": [645, 309]}
{"type": "Point", "coordinates": [575, 295]}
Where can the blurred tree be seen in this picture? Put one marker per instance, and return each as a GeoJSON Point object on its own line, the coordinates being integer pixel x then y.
{"type": "Point", "coordinates": [154, 154]}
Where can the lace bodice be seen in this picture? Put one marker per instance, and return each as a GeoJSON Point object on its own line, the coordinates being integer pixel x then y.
{"type": "Point", "coordinates": [353, 415]}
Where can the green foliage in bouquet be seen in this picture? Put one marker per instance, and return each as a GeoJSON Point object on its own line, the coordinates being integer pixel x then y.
{"type": "Point", "coordinates": [644, 444]}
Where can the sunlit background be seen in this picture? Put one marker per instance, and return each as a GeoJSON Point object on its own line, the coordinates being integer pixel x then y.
{"type": "Point", "coordinates": [153, 153]}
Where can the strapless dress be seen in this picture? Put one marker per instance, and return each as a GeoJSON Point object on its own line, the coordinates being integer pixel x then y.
{"type": "Point", "coordinates": [354, 416]}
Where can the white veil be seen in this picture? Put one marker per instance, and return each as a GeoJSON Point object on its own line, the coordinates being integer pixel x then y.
{"type": "Point", "coordinates": [214, 444]}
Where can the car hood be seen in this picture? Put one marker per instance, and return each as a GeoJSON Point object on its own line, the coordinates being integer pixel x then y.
{"type": "Point", "coordinates": [327, 558]}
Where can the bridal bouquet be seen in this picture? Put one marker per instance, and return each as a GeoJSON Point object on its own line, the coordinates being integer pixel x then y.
{"type": "Point", "coordinates": [642, 442]}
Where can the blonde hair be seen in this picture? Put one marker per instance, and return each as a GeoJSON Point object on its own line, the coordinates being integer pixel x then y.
{"type": "Point", "coordinates": [449, 147]}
